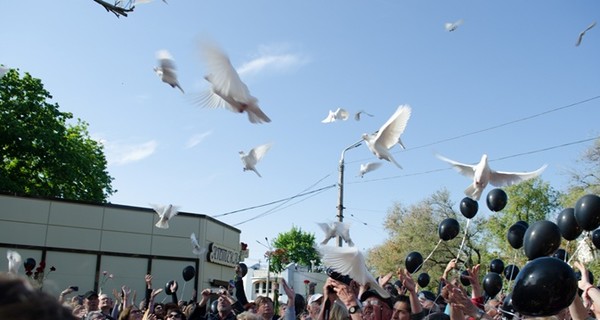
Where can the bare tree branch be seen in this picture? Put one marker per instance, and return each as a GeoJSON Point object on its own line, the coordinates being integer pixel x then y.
{"type": "Point", "coordinates": [115, 8]}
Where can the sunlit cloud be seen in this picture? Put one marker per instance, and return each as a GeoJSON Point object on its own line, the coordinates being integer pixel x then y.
{"type": "Point", "coordinates": [273, 58]}
{"type": "Point", "coordinates": [197, 139]}
{"type": "Point", "coordinates": [119, 153]}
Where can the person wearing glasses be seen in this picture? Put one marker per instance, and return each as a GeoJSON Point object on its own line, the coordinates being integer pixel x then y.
{"type": "Point", "coordinates": [175, 315]}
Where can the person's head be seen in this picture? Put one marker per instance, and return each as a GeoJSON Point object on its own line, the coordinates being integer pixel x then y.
{"type": "Point", "coordinates": [299, 303]}
{"type": "Point", "coordinates": [90, 301]}
{"type": "Point", "coordinates": [105, 303]}
{"type": "Point", "coordinates": [95, 315]}
{"type": "Point", "coordinates": [314, 305]}
{"type": "Point", "coordinates": [338, 311]}
{"type": "Point", "coordinates": [19, 301]}
{"type": "Point", "coordinates": [175, 315]}
{"type": "Point", "coordinates": [427, 300]}
{"type": "Point", "coordinates": [159, 310]}
{"type": "Point", "coordinates": [250, 306]}
{"type": "Point", "coordinates": [375, 307]}
{"type": "Point", "coordinates": [401, 309]}
{"type": "Point", "coordinates": [282, 308]}
{"type": "Point", "coordinates": [264, 307]}
{"type": "Point", "coordinates": [131, 313]}
{"type": "Point", "coordinates": [223, 305]}
{"type": "Point", "coordinates": [247, 315]}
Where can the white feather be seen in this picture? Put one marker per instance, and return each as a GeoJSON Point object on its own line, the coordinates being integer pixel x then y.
{"type": "Point", "coordinates": [483, 175]}
{"type": "Point", "coordinates": [339, 114]}
{"type": "Point", "coordinates": [350, 261]}
{"type": "Point", "coordinates": [165, 213]}
{"type": "Point", "coordinates": [14, 261]}
{"type": "Point", "coordinates": [196, 249]}
{"type": "Point", "coordinates": [251, 159]}
{"type": "Point", "coordinates": [368, 167]}
{"type": "Point", "coordinates": [389, 135]}
{"type": "Point", "coordinates": [166, 69]}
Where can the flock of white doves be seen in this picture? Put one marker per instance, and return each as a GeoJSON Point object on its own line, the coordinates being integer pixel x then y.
{"type": "Point", "coordinates": [228, 91]}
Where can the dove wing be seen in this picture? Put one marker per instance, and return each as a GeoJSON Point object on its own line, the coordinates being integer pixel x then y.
{"type": "Point", "coordinates": [341, 114]}
{"type": "Point", "coordinates": [173, 211]}
{"type": "Point", "coordinates": [160, 209]}
{"type": "Point", "coordinates": [343, 230]}
{"type": "Point", "coordinates": [258, 153]}
{"type": "Point", "coordinates": [593, 24]}
{"type": "Point", "coordinates": [467, 170]}
{"type": "Point", "coordinates": [222, 74]}
{"type": "Point", "coordinates": [350, 261]}
{"type": "Point", "coordinates": [14, 261]}
{"type": "Point", "coordinates": [500, 178]}
{"type": "Point", "coordinates": [329, 118]}
{"type": "Point", "coordinates": [328, 230]}
{"type": "Point", "coordinates": [372, 166]}
{"type": "Point", "coordinates": [389, 133]}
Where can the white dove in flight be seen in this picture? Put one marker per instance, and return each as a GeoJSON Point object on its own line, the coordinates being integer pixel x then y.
{"type": "Point", "coordinates": [196, 248]}
{"type": "Point", "coordinates": [165, 213]}
{"type": "Point", "coordinates": [253, 157]}
{"type": "Point", "coordinates": [3, 71]}
{"type": "Point", "coordinates": [451, 26]}
{"type": "Point", "coordinates": [166, 69]}
{"type": "Point", "coordinates": [335, 229]}
{"type": "Point", "coordinates": [482, 174]}
{"type": "Point", "coordinates": [583, 33]}
{"type": "Point", "coordinates": [368, 167]}
{"type": "Point", "coordinates": [14, 261]}
{"type": "Point", "coordinates": [357, 115]}
{"type": "Point", "coordinates": [350, 261]}
{"type": "Point", "coordinates": [389, 134]}
{"type": "Point", "coordinates": [227, 89]}
{"type": "Point", "coordinates": [339, 114]}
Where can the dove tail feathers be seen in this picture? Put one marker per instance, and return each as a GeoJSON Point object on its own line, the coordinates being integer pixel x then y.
{"type": "Point", "coordinates": [473, 192]}
{"type": "Point", "coordinates": [162, 224]}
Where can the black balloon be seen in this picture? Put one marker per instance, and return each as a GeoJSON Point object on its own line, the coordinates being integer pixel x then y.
{"type": "Point", "coordinates": [423, 279]}
{"type": "Point", "coordinates": [507, 308]}
{"type": "Point", "coordinates": [492, 284]}
{"type": "Point", "coordinates": [587, 212]}
{"type": "Point", "coordinates": [29, 264]}
{"type": "Point", "coordinates": [596, 238]}
{"type": "Point", "coordinates": [464, 278]}
{"type": "Point", "coordinates": [188, 273]}
{"type": "Point", "coordinates": [511, 271]}
{"type": "Point", "coordinates": [413, 262]}
{"type": "Point", "coordinates": [469, 207]}
{"type": "Point", "coordinates": [515, 235]}
{"type": "Point", "coordinates": [448, 229]}
{"type": "Point", "coordinates": [544, 287]}
{"type": "Point", "coordinates": [561, 254]}
{"type": "Point", "coordinates": [497, 266]}
{"type": "Point", "coordinates": [523, 223]}
{"type": "Point", "coordinates": [496, 200]}
{"type": "Point", "coordinates": [243, 268]}
{"type": "Point", "coordinates": [541, 239]}
{"type": "Point", "coordinates": [566, 222]}
{"type": "Point", "coordinates": [168, 287]}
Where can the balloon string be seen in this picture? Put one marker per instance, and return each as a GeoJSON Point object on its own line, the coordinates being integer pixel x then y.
{"type": "Point", "coordinates": [512, 270]}
{"type": "Point", "coordinates": [183, 291]}
{"type": "Point", "coordinates": [429, 256]}
{"type": "Point", "coordinates": [574, 255]}
{"type": "Point", "coordinates": [463, 239]}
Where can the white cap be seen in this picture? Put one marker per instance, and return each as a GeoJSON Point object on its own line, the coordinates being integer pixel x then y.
{"type": "Point", "coordinates": [314, 298]}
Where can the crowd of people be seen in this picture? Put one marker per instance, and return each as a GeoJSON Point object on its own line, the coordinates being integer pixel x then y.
{"type": "Point", "coordinates": [340, 300]}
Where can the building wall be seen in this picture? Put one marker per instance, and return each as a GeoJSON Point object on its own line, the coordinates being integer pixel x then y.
{"type": "Point", "coordinates": [83, 240]}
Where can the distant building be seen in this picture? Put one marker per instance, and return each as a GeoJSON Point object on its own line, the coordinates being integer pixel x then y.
{"type": "Point", "coordinates": [299, 278]}
{"type": "Point", "coordinates": [82, 240]}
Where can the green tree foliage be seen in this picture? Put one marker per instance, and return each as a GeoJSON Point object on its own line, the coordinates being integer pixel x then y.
{"type": "Point", "coordinates": [41, 154]}
{"type": "Point", "coordinates": [586, 179]}
{"type": "Point", "coordinates": [415, 228]}
{"type": "Point", "coordinates": [530, 201]}
{"type": "Point", "coordinates": [294, 246]}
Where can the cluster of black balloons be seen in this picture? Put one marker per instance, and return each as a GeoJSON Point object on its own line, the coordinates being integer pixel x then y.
{"type": "Point", "coordinates": [547, 284]}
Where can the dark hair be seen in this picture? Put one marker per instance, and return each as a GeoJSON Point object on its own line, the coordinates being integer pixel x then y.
{"type": "Point", "coordinates": [403, 298]}
{"type": "Point", "coordinates": [299, 303]}
{"type": "Point", "coordinates": [19, 301]}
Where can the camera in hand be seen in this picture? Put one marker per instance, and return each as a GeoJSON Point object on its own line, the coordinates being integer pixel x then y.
{"type": "Point", "coordinates": [338, 277]}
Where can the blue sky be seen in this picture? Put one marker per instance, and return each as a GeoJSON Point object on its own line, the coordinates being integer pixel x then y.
{"type": "Point", "coordinates": [510, 60]}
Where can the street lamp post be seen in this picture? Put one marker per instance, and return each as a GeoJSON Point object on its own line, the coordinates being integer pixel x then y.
{"type": "Point", "coordinates": [269, 253]}
{"type": "Point", "coordinates": [340, 206]}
